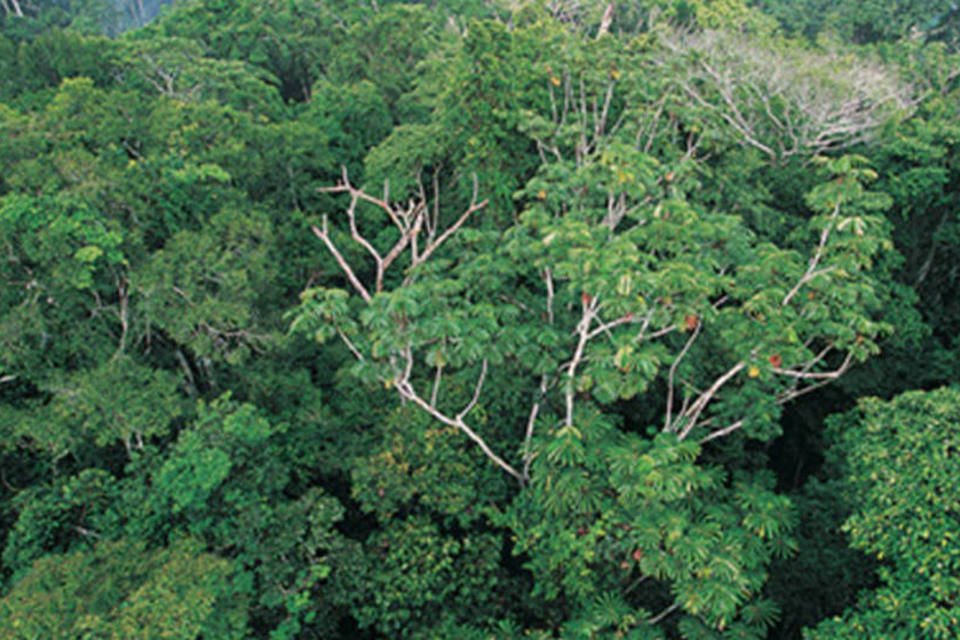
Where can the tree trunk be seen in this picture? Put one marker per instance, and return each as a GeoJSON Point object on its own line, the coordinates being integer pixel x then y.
{"type": "Point", "coordinates": [16, 8]}
{"type": "Point", "coordinates": [607, 19]}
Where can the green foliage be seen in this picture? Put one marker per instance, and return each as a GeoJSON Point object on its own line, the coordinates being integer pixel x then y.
{"type": "Point", "coordinates": [58, 518]}
{"type": "Point", "coordinates": [901, 471]}
{"type": "Point", "coordinates": [565, 270]}
{"type": "Point", "coordinates": [602, 518]}
{"type": "Point", "coordinates": [120, 590]}
{"type": "Point", "coordinates": [117, 402]}
{"type": "Point", "coordinates": [223, 482]}
{"type": "Point", "coordinates": [866, 22]}
{"type": "Point", "coordinates": [826, 574]}
{"type": "Point", "coordinates": [58, 248]}
{"type": "Point", "coordinates": [411, 577]}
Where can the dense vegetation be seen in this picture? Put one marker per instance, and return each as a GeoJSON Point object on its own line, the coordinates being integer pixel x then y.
{"type": "Point", "coordinates": [479, 319]}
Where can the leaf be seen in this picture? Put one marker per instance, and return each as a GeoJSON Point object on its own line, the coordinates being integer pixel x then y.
{"type": "Point", "coordinates": [88, 254]}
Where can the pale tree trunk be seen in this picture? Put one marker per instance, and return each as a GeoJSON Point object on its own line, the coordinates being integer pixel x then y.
{"type": "Point", "coordinates": [16, 8]}
{"type": "Point", "coordinates": [607, 19]}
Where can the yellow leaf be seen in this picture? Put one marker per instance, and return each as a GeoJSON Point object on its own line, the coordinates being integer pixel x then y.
{"type": "Point", "coordinates": [753, 371]}
{"type": "Point", "coordinates": [555, 81]}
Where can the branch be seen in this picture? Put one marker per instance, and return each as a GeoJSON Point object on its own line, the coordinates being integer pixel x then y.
{"type": "Point", "coordinates": [531, 422]}
{"type": "Point", "coordinates": [363, 242]}
{"type": "Point", "coordinates": [344, 265]}
{"type": "Point", "coordinates": [435, 391]}
{"type": "Point", "coordinates": [696, 409]}
{"type": "Point", "coordinates": [123, 315]}
{"type": "Point", "coordinates": [476, 392]}
{"type": "Point", "coordinates": [667, 426]}
{"type": "Point", "coordinates": [353, 348]}
{"type": "Point", "coordinates": [407, 391]}
{"type": "Point", "coordinates": [433, 246]}
{"type": "Point", "coordinates": [628, 318]}
{"type": "Point", "coordinates": [824, 379]}
{"type": "Point", "coordinates": [607, 20]}
{"type": "Point", "coordinates": [548, 279]}
{"type": "Point", "coordinates": [812, 271]}
{"type": "Point", "coordinates": [583, 329]}
{"type": "Point", "coordinates": [346, 187]}
{"type": "Point", "coordinates": [663, 614]}
{"type": "Point", "coordinates": [815, 375]}
{"type": "Point", "coordinates": [719, 433]}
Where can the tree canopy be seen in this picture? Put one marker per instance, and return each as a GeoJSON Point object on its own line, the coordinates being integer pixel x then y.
{"type": "Point", "coordinates": [485, 319]}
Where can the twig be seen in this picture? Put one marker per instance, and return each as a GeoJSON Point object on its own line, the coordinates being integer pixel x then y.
{"type": "Point", "coordinates": [719, 433]}
{"type": "Point", "coordinates": [435, 391]}
{"type": "Point", "coordinates": [433, 246]}
{"type": "Point", "coordinates": [347, 341]}
{"type": "Point", "coordinates": [476, 392]}
{"type": "Point", "coordinates": [548, 279]}
{"type": "Point", "coordinates": [663, 614]}
{"type": "Point", "coordinates": [583, 329]}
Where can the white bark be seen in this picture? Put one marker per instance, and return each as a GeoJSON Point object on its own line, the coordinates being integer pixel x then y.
{"type": "Point", "coordinates": [784, 100]}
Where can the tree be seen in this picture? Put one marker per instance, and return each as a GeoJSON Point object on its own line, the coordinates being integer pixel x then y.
{"type": "Point", "coordinates": [901, 473]}
{"type": "Point", "coordinates": [570, 270]}
{"type": "Point", "coordinates": [610, 287]}
{"type": "Point", "coordinates": [120, 590]}
{"type": "Point", "coordinates": [783, 99]}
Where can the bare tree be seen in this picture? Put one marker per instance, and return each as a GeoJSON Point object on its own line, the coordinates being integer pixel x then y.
{"type": "Point", "coordinates": [781, 99]}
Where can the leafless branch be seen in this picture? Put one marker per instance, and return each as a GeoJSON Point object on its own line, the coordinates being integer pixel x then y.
{"type": "Point", "coordinates": [719, 433]}
{"type": "Point", "coordinates": [668, 425]}
{"type": "Point", "coordinates": [17, 11]}
{"type": "Point", "coordinates": [531, 423]}
{"type": "Point", "coordinates": [436, 244]}
{"type": "Point", "coordinates": [782, 100]}
{"type": "Point", "coordinates": [407, 391]}
{"type": "Point", "coordinates": [663, 614]}
{"type": "Point", "coordinates": [607, 19]}
{"type": "Point", "coordinates": [607, 326]}
{"type": "Point", "coordinates": [696, 409]}
{"type": "Point", "coordinates": [435, 390]}
{"type": "Point", "coordinates": [548, 280]}
{"type": "Point", "coordinates": [323, 234]}
{"type": "Point", "coordinates": [122, 315]}
{"type": "Point", "coordinates": [812, 271]}
{"type": "Point", "coordinates": [476, 392]}
{"type": "Point", "coordinates": [583, 331]}
{"type": "Point", "coordinates": [352, 347]}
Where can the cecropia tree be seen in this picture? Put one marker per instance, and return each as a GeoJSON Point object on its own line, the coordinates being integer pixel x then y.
{"type": "Point", "coordinates": [601, 343]}
{"type": "Point", "coordinates": [610, 285]}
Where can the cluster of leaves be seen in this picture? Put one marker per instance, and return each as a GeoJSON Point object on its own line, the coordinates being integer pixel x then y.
{"type": "Point", "coordinates": [900, 463]}
{"type": "Point", "coordinates": [477, 319]}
